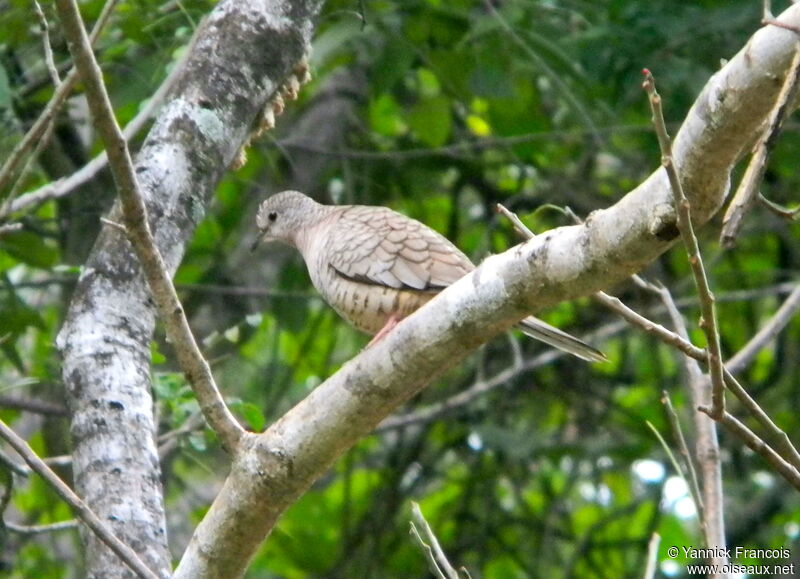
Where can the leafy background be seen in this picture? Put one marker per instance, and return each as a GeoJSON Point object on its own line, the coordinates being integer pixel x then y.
{"type": "Point", "coordinates": [439, 110]}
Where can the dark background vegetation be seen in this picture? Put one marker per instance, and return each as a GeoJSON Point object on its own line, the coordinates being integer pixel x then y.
{"type": "Point", "coordinates": [438, 109]}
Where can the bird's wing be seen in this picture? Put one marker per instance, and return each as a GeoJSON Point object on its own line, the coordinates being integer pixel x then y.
{"type": "Point", "coordinates": [378, 246]}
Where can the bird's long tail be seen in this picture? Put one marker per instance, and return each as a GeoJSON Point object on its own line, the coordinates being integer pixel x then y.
{"type": "Point", "coordinates": [552, 336]}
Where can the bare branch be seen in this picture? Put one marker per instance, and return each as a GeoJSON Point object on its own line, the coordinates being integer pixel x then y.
{"type": "Point", "coordinates": [775, 435]}
{"type": "Point", "coordinates": [66, 185]}
{"type": "Point", "coordinates": [779, 210]}
{"type": "Point", "coordinates": [708, 320]}
{"type": "Point", "coordinates": [748, 187]}
{"type": "Point", "coordinates": [14, 466]}
{"type": "Point", "coordinates": [752, 440]}
{"type": "Point", "coordinates": [33, 405]}
{"type": "Point", "coordinates": [437, 560]}
{"type": "Point", "coordinates": [48, 50]}
{"type": "Point", "coordinates": [41, 529]}
{"type": "Point", "coordinates": [688, 462]}
{"type": "Point", "coordinates": [519, 226]}
{"type": "Point", "coordinates": [652, 556]}
{"type": "Point", "coordinates": [122, 550]}
{"type": "Point", "coordinates": [766, 334]}
{"type": "Point", "coordinates": [707, 455]}
{"type": "Point", "coordinates": [36, 132]}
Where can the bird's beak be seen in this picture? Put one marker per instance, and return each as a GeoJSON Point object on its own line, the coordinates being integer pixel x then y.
{"type": "Point", "coordinates": [257, 241]}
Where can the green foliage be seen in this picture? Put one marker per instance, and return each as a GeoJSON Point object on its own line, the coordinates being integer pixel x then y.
{"type": "Point", "coordinates": [450, 107]}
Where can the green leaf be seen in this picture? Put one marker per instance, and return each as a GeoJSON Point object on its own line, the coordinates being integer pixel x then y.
{"type": "Point", "coordinates": [16, 316]}
{"type": "Point", "coordinates": [431, 122]}
{"type": "Point", "coordinates": [29, 248]}
{"type": "Point", "coordinates": [392, 64]}
{"type": "Point", "coordinates": [5, 89]}
{"type": "Point", "coordinates": [385, 116]}
{"type": "Point", "coordinates": [429, 86]}
{"type": "Point", "coordinates": [252, 414]}
{"type": "Point", "coordinates": [156, 357]}
{"type": "Point", "coordinates": [168, 385]}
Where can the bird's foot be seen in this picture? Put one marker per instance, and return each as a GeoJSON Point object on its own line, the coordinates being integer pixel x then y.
{"type": "Point", "coordinates": [387, 327]}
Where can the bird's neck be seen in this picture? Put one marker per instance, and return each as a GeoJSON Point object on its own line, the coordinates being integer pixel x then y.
{"type": "Point", "coordinates": [305, 237]}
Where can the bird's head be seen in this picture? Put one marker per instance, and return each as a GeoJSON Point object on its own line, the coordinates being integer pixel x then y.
{"type": "Point", "coordinates": [285, 216]}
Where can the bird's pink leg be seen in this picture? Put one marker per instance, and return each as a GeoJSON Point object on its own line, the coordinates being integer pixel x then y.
{"type": "Point", "coordinates": [387, 327]}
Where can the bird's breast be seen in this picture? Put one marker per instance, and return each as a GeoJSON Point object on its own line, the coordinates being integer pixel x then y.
{"type": "Point", "coordinates": [367, 306]}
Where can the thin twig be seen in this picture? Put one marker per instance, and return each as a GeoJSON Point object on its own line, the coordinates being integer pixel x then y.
{"type": "Point", "coordinates": [27, 168]}
{"type": "Point", "coordinates": [14, 466]}
{"type": "Point", "coordinates": [116, 225]}
{"type": "Point", "coordinates": [456, 150]}
{"type": "Point", "coordinates": [437, 560]}
{"type": "Point", "coordinates": [60, 460]}
{"type": "Point", "coordinates": [779, 210]}
{"type": "Point", "coordinates": [44, 28]}
{"type": "Point", "coordinates": [34, 135]}
{"type": "Point", "coordinates": [67, 185]}
{"type": "Point", "coordinates": [767, 10]}
{"type": "Point", "coordinates": [768, 331]}
{"type": "Point", "coordinates": [708, 319]}
{"type": "Point", "coordinates": [683, 448]}
{"type": "Point", "coordinates": [41, 529]}
{"type": "Point", "coordinates": [33, 405]}
{"type": "Point", "coordinates": [756, 444]}
{"type": "Point", "coordinates": [80, 508]}
{"type": "Point", "coordinates": [169, 441]}
{"type": "Point", "coordinates": [519, 226]}
{"type": "Point", "coordinates": [191, 360]}
{"type": "Point", "coordinates": [428, 552]}
{"type": "Point", "coordinates": [652, 556]}
{"type": "Point", "coordinates": [775, 435]}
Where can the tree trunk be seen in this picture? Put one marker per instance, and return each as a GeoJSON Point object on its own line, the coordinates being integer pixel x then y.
{"type": "Point", "coordinates": [105, 340]}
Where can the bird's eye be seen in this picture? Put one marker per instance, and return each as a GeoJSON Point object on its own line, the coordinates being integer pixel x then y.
{"type": "Point", "coordinates": [272, 216]}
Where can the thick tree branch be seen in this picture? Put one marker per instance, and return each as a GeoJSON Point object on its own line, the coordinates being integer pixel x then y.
{"type": "Point", "coordinates": [274, 468]}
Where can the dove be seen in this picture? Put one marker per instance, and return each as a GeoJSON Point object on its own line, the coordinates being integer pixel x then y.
{"type": "Point", "coordinates": [375, 266]}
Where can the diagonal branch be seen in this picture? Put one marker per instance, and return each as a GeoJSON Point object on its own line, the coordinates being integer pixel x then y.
{"type": "Point", "coordinates": [748, 186]}
{"type": "Point", "coordinates": [34, 135]}
{"type": "Point", "coordinates": [274, 468]}
{"type": "Point", "coordinates": [88, 516]}
{"type": "Point", "coordinates": [708, 319]}
{"type": "Point", "coordinates": [768, 331]}
{"type": "Point", "coordinates": [67, 185]}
